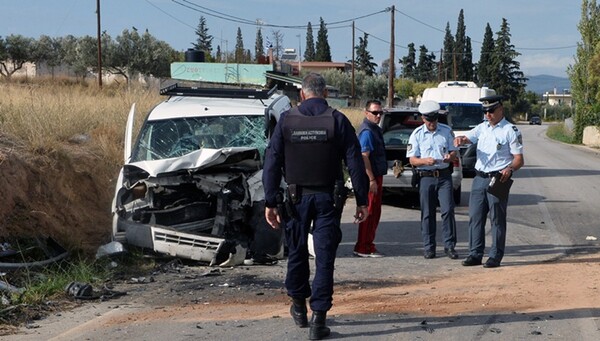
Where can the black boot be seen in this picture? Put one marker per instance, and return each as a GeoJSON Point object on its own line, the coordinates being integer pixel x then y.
{"type": "Point", "coordinates": [318, 329]}
{"type": "Point", "coordinates": [298, 312]}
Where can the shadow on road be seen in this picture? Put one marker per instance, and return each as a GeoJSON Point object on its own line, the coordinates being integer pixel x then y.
{"type": "Point", "coordinates": [485, 325]}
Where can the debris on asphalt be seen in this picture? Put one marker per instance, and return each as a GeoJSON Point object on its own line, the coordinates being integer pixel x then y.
{"type": "Point", "coordinates": [112, 248]}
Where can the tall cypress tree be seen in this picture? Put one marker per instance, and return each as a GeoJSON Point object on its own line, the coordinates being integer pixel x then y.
{"type": "Point", "coordinates": [409, 62]}
{"type": "Point", "coordinates": [218, 54]}
{"type": "Point", "coordinates": [507, 78]}
{"type": "Point", "coordinates": [364, 59]}
{"type": "Point", "coordinates": [485, 69]}
{"type": "Point", "coordinates": [239, 47]}
{"type": "Point", "coordinates": [448, 56]}
{"type": "Point", "coordinates": [323, 53]}
{"type": "Point", "coordinates": [459, 47]}
{"type": "Point", "coordinates": [309, 50]}
{"type": "Point", "coordinates": [425, 71]}
{"type": "Point", "coordinates": [259, 49]}
{"type": "Point", "coordinates": [203, 40]}
{"type": "Point", "coordinates": [467, 61]}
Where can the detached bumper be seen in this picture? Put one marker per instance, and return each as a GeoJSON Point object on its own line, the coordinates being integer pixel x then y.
{"type": "Point", "coordinates": [175, 243]}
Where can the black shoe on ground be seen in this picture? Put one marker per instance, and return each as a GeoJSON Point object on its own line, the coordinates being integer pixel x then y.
{"type": "Point", "coordinates": [451, 253]}
{"type": "Point", "coordinates": [429, 254]}
{"type": "Point", "coordinates": [298, 312]}
{"type": "Point", "coordinates": [491, 263]}
{"type": "Point", "coordinates": [471, 261]}
{"type": "Point", "coordinates": [318, 329]}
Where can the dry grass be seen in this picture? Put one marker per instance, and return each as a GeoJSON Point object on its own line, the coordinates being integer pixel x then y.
{"type": "Point", "coordinates": [355, 115]}
{"type": "Point", "coordinates": [46, 116]}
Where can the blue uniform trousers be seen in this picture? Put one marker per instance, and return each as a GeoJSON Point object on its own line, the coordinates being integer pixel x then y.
{"type": "Point", "coordinates": [432, 189]}
{"type": "Point", "coordinates": [316, 209]}
{"type": "Point", "coordinates": [480, 204]}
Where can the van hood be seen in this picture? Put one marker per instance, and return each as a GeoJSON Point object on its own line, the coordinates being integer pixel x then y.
{"type": "Point", "coordinates": [242, 158]}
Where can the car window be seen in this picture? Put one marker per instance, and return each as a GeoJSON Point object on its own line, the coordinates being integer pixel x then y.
{"type": "Point", "coordinates": [400, 120]}
{"type": "Point", "coordinates": [464, 116]}
{"type": "Point", "coordinates": [397, 137]}
{"type": "Point", "coordinates": [177, 137]}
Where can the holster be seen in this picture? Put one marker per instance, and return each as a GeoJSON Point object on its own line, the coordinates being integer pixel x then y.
{"type": "Point", "coordinates": [281, 206]}
{"type": "Point", "coordinates": [340, 194]}
{"type": "Point", "coordinates": [416, 177]}
{"type": "Point", "coordinates": [285, 206]}
{"type": "Point", "coordinates": [294, 193]}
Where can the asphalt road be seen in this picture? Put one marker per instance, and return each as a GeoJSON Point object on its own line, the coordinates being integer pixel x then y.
{"type": "Point", "coordinates": [553, 207]}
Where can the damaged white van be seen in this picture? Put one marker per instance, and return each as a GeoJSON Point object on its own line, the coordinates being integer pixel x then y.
{"type": "Point", "coordinates": [191, 185]}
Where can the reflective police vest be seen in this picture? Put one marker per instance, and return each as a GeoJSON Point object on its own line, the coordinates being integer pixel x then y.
{"type": "Point", "coordinates": [311, 158]}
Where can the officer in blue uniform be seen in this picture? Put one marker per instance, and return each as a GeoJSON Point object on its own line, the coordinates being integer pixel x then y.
{"type": "Point", "coordinates": [431, 150]}
{"type": "Point", "coordinates": [307, 148]}
{"type": "Point", "coordinates": [499, 154]}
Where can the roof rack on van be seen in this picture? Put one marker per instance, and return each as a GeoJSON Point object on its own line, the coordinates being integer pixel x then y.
{"type": "Point", "coordinates": [176, 90]}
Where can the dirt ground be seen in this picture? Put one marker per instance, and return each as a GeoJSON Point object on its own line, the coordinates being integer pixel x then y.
{"type": "Point", "coordinates": [61, 196]}
{"type": "Point", "coordinates": [565, 284]}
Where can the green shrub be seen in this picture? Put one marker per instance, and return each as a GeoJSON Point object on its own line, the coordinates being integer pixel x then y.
{"type": "Point", "coordinates": [560, 133]}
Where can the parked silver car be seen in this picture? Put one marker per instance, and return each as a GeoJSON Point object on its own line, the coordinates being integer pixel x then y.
{"type": "Point", "coordinates": [397, 125]}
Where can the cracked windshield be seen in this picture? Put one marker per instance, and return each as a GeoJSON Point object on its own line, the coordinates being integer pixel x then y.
{"type": "Point", "coordinates": [177, 137]}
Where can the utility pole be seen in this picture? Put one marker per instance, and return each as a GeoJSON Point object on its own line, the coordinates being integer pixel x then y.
{"type": "Point", "coordinates": [299, 54]}
{"type": "Point", "coordinates": [392, 73]}
{"type": "Point", "coordinates": [99, 45]}
{"type": "Point", "coordinates": [352, 83]}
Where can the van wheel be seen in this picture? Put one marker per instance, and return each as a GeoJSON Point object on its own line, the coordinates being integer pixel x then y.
{"type": "Point", "coordinates": [456, 194]}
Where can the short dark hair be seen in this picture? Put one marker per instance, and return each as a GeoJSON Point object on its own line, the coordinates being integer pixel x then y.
{"type": "Point", "coordinates": [373, 101]}
{"type": "Point", "coordinates": [314, 84]}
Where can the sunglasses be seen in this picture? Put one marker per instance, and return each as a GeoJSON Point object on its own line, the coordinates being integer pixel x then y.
{"type": "Point", "coordinates": [375, 112]}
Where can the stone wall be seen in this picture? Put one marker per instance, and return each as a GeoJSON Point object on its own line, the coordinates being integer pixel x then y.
{"type": "Point", "coordinates": [591, 136]}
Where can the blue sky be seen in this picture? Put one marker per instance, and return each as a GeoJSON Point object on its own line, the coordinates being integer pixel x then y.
{"type": "Point", "coordinates": [543, 31]}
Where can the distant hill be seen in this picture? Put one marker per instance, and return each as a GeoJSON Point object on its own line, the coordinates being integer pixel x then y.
{"type": "Point", "coordinates": [545, 83]}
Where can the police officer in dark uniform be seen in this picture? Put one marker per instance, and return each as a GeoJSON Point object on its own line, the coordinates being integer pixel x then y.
{"type": "Point", "coordinates": [499, 154]}
{"type": "Point", "coordinates": [431, 150]}
{"type": "Point", "coordinates": [307, 148]}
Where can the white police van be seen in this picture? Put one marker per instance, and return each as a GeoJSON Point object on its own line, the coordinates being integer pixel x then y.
{"type": "Point", "coordinates": [460, 99]}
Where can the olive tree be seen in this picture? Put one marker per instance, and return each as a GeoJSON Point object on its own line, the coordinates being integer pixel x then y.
{"type": "Point", "coordinates": [16, 51]}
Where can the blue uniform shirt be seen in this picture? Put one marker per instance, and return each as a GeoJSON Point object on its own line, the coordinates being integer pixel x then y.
{"type": "Point", "coordinates": [495, 145]}
{"type": "Point", "coordinates": [424, 143]}
{"type": "Point", "coordinates": [346, 141]}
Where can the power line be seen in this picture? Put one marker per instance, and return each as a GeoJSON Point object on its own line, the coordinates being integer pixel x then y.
{"type": "Point", "coordinates": [227, 17]}
{"type": "Point", "coordinates": [168, 14]}
{"type": "Point", "coordinates": [220, 15]}
{"type": "Point", "coordinates": [244, 21]}
{"type": "Point", "coordinates": [479, 42]}
{"type": "Point", "coordinates": [380, 39]}
{"type": "Point", "coordinates": [204, 10]}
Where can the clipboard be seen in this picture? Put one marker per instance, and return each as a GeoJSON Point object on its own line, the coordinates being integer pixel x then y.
{"type": "Point", "coordinates": [500, 189]}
